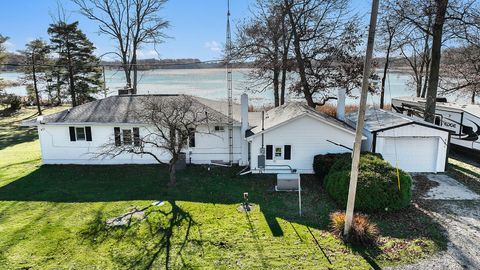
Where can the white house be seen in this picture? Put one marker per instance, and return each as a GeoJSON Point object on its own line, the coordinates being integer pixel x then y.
{"type": "Point", "coordinates": [76, 135]}
{"type": "Point", "coordinates": [291, 135]}
{"type": "Point", "coordinates": [416, 145]}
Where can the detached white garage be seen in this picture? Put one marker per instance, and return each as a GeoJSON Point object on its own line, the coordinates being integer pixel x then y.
{"type": "Point", "coordinates": [415, 145]}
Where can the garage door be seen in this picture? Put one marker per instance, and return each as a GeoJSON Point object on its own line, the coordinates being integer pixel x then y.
{"type": "Point", "coordinates": [414, 154]}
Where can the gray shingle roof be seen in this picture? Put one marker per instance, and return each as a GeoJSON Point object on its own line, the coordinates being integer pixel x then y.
{"type": "Point", "coordinates": [120, 109]}
{"type": "Point", "coordinates": [378, 119]}
{"type": "Point", "coordinates": [281, 114]}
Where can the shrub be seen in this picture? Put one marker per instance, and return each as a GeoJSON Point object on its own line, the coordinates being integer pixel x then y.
{"type": "Point", "coordinates": [323, 163]}
{"type": "Point", "coordinates": [362, 231]}
{"type": "Point", "coordinates": [11, 102]}
{"type": "Point", "coordinates": [377, 187]}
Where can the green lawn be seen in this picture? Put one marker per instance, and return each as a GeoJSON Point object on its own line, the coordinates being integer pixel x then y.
{"type": "Point", "coordinates": [53, 217]}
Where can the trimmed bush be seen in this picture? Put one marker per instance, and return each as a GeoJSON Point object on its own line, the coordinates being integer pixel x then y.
{"type": "Point", "coordinates": [362, 232]}
{"type": "Point", "coordinates": [377, 187]}
{"type": "Point", "coordinates": [323, 163]}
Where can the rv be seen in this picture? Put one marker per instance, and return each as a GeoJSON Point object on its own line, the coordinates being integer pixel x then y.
{"type": "Point", "coordinates": [462, 120]}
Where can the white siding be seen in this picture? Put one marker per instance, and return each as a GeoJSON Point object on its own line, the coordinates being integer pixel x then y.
{"type": "Point", "coordinates": [58, 149]}
{"type": "Point", "coordinates": [308, 137]}
{"type": "Point", "coordinates": [416, 148]}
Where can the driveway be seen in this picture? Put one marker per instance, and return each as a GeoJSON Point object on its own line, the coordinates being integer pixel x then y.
{"type": "Point", "coordinates": [457, 209]}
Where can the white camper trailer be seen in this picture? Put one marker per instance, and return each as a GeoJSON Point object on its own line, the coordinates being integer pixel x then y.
{"type": "Point", "coordinates": [462, 120]}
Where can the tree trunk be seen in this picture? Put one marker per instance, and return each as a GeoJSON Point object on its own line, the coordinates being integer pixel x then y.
{"type": "Point", "coordinates": [59, 90]}
{"type": "Point", "coordinates": [435, 64]}
{"type": "Point", "coordinates": [425, 85]}
{"type": "Point", "coordinates": [426, 60]}
{"type": "Point", "coordinates": [419, 85]}
{"type": "Point", "coordinates": [473, 96]}
{"type": "Point", "coordinates": [385, 70]}
{"type": "Point", "coordinates": [135, 75]}
{"type": "Point", "coordinates": [299, 58]}
{"type": "Point", "coordinates": [71, 78]}
{"type": "Point", "coordinates": [172, 170]}
{"type": "Point", "coordinates": [283, 85]}
{"type": "Point", "coordinates": [35, 88]}
{"type": "Point", "coordinates": [276, 74]}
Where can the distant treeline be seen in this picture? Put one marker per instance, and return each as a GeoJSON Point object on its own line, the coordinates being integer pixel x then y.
{"type": "Point", "coordinates": [14, 61]}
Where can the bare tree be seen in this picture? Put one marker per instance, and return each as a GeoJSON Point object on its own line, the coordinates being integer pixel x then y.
{"type": "Point", "coordinates": [437, 32]}
{"type": "Point", "coordinates": [413, 20]}
{"type": "Point", "coordinates": [36, 56]}
{"type": "Point", "coordinates": [168, 123]}
{"type": "Point", "coordinates": [265, 40]}
{"type": "Point", "coordinates": [132, 23]}
{"type": "Point", "coordinates": [318, 28]}
{"type": "Point", "coordinates": [461, 71]}
{"type": "Point", "coordinates": [387, 31]}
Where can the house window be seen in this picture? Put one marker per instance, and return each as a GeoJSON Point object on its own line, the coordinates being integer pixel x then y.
{"type": "Point", "coordinates": [191, 137]}
{"type": "Point", "coordinates": [127, 136]}
{"type": "Point", "coordinates": [219, 128]}
{"type": "Point", "coordinates": [278, 152]}
{"type": "Point", "coordinates": [80, 133]}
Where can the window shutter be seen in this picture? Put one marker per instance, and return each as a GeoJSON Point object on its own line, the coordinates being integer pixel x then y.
{"type": "Point", "coordinates": [88, 133]}
{"type": "Point", "coordinates": [72, 134]}
{"type": "Point", "coordinates": [287, 152]}
{"type": "Point", "coordinates": [136, 136]}
{"type": "Point", "coordinates": [269, 151]}
{"type": "Point", "coordinates": [116, 131]}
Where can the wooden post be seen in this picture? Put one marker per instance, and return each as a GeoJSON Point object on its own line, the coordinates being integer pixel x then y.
{"type": "Point", "coordinates": [361, 118]}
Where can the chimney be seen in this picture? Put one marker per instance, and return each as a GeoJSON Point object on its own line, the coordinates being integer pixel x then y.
{"type": "Point", "coordinates": [341, 104]}
{"type": "Point", "coordinates": [244, 127]}
{"type": "Point", "coordinates": [244, 111]}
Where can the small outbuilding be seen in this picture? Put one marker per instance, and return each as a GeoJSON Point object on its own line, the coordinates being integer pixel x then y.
{"type": "Point", "coordinates": [415, 145]}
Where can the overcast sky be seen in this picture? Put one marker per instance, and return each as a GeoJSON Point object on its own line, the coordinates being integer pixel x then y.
{"type": "Point", "coordinates": [197, 26]}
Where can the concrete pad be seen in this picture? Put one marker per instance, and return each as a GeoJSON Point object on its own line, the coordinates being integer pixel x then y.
{"type": "Point", "coordinates": [449, 189]}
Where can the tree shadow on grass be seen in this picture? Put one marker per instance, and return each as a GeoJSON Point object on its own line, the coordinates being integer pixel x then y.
{"type": "Point", "coordinates": [146, 242]}
{"type": "Point", "coordinates": [13, 134]}
{"type": "Point", "coordinates": [199, 184]}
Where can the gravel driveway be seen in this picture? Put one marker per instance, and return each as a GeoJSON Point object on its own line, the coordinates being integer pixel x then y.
{"type": "Point", "coordinates": [457, 209]}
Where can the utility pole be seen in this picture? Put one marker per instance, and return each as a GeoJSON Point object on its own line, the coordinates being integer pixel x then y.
{"type": "Point", "coordinates": [228, 52]}
{"type": "Point", "coordinates": [361, 118]}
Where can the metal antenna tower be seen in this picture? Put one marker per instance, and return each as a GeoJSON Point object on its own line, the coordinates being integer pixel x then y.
{"type": "Point", "coordinates": [228, 52]}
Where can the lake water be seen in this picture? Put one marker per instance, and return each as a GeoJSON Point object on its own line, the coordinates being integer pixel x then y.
{"type": "Point", "coordinates": [211, 83]}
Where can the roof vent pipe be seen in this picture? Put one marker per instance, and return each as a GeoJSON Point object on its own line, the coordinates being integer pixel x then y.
{"type": "Point", "coordinates": [341, 104]}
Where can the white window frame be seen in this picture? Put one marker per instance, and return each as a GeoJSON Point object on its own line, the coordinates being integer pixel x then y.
{"type": "Point", "coordinates": [219, 128]}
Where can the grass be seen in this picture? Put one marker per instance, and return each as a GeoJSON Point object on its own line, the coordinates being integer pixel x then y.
{"type": "Point", "coordinates": [53, 217]}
